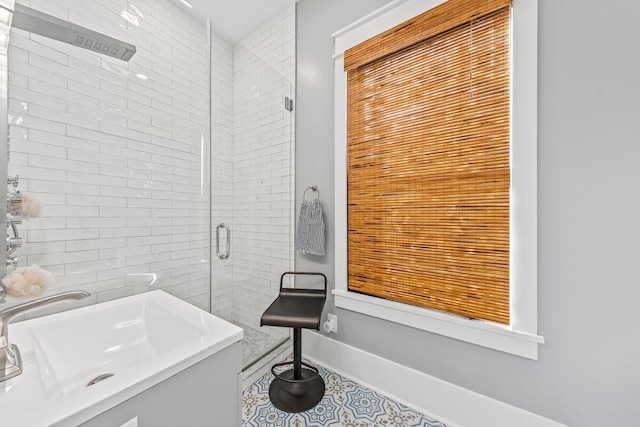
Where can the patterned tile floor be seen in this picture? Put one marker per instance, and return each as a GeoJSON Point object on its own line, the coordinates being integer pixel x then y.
{"type": "Point", "coordinates": [345, 404]}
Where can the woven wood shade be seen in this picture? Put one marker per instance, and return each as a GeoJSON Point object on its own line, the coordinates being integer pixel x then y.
{"type": "Point", "coordinates": [428, 168]}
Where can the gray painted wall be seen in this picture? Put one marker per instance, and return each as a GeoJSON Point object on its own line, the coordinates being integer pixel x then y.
{"type": "Point", "coordinates": [588, 372]}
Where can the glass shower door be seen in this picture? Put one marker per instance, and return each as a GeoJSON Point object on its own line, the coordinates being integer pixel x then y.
{"type": "Point", "coordinates": [252, 193]}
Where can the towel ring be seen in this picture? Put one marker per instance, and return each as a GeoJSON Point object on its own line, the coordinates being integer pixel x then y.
{"type": "Point", "coordinates": [312, 188]}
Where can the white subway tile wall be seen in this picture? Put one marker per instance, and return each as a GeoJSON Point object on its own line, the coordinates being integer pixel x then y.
{"type": "Point", "coordinates": [119, 163]}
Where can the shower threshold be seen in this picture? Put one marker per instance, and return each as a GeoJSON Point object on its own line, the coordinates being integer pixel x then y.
{"type": "Point", "coordinates": [256, 344]}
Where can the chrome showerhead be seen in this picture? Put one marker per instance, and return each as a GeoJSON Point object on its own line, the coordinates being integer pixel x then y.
{"type": "Point", "coordinates": [37, 22]}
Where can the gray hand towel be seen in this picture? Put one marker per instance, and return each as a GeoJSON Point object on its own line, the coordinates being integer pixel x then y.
{"type": "Point", "coordinates": [310, 230]}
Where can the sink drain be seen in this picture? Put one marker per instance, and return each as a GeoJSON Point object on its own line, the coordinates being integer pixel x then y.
{"type": "Point", "coordinates": [99, 378]}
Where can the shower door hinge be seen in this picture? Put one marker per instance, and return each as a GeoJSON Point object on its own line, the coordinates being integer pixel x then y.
{"type": "Point", "coordinates": [288, 103]}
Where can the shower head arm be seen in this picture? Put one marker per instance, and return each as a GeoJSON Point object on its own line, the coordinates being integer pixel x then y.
{"type": "Point", "coordinates": [34, 21]}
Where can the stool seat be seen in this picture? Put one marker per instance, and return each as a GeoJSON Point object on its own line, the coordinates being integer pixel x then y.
{"type": "Point", "coordinates": [301, 388]}
{"type": "Point", "coordinates": [295, 308]}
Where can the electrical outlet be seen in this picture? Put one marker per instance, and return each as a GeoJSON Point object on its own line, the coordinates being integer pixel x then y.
{"type": "Point", "coordinates": [334, 318]}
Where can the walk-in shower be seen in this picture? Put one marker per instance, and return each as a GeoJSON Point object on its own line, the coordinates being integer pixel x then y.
{"type": "Point", "coordinates": [143, 144]}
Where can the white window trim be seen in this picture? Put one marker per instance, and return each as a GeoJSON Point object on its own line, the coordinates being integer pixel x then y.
{"type": "Point", "coordinates": [521, 336]}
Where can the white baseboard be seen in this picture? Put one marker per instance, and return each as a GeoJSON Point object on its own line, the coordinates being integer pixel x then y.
{"type": "Point", "coordinates": [449, 403]}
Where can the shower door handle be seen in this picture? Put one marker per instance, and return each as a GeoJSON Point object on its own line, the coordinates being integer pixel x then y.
{"type": "Point", "coordinates": [226, 254]}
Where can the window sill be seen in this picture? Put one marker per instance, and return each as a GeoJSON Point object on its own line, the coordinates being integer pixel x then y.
{"type": "Point", "coordinates": [491, 335]}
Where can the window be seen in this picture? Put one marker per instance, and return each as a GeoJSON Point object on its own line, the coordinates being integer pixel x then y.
{"type": "Point", "coordinates": [428, 216]}
{"type": "Point", "coordinates": [428, 165]}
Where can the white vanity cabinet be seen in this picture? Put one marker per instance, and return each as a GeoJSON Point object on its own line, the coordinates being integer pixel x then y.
{"type": "Point", "coordinates": [206, 394]}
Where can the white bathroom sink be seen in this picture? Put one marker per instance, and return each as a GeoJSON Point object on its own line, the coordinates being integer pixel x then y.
{"type": "Point", "coordinates": [134, 342]}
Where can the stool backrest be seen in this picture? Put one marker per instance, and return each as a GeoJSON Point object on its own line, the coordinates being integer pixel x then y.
{"type": "Point", "coordinates": [305, 273]}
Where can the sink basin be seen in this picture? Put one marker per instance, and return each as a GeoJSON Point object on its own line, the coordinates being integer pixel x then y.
{"type": "Point", "coordinates": [121, 347]}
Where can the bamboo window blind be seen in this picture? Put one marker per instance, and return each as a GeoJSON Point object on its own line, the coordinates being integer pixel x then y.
{"type": "Point", "coordinates": [429, 161]}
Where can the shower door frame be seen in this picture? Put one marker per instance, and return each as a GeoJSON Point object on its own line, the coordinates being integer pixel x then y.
{"type": "Point", "coordinates": [8, 6]}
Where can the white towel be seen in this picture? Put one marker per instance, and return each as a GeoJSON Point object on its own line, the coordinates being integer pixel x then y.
{"type": "Point", "coordinates": [310, 230]}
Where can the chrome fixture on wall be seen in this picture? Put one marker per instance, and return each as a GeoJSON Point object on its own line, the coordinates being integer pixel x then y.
{"type": "Point", "coordinates": [37, 22]}
{"type": "Point", "coordinates": [13, 197]}
{"type": "Point", "coordinates": [288, 103]}
{"type": "Point", "coordinates": [13, 242]}
{"type": "Point", "coordinates": [313, 188]}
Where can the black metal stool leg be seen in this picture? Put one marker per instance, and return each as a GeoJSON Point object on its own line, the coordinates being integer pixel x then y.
{"type": "Point", "coordinates": [297, 389]}
{"type": "Point", "coordinates": [297, 353]}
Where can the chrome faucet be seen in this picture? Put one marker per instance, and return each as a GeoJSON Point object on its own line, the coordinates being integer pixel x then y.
{"type": "Point", "coordinates": [10, 360]}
